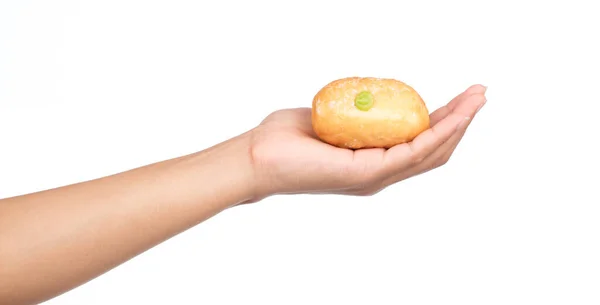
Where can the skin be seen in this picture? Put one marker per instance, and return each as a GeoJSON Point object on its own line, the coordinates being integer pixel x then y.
{"type": "Point", "coordinates": [55, 240]}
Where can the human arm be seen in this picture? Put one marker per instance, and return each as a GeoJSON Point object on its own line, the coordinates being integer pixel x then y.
{"type": "Point", "coordinates": [55, 240]}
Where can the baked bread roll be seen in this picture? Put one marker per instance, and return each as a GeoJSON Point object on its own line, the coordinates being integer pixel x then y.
{"type": "Point", "coordinates": [368, 112]}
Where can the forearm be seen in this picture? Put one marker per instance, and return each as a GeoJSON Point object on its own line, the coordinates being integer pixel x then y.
{"type": "Point", "coordinates": [54, 240]}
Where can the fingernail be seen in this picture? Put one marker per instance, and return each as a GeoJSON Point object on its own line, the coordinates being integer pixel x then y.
{"type": "Point", "coordinates": [463, 123]}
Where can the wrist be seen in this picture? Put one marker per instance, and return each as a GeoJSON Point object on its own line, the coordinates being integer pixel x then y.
{"type": "Point", "coordinates": [224, 173]}
{"type": "Point", "coordinates": [240, 168]}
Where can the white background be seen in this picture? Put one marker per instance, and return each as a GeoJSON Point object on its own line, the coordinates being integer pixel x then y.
{"type": "Point", "coordinates": [91, 88]}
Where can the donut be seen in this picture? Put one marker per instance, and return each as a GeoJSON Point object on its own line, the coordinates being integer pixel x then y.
{"type": "Point", "coordinates": [368, 112]}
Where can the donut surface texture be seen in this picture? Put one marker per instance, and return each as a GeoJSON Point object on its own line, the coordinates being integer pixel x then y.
{"type": "Point", "coordinates": [368, 112]}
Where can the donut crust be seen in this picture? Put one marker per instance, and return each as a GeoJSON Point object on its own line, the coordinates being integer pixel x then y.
{"type": "Point", "coordinates": [397, 116]}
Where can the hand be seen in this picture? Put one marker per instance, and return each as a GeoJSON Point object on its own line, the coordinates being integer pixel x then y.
{"type": "Point", "coordinates": [289, 158]}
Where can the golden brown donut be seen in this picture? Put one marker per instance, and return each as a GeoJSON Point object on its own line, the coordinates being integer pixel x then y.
{"type": "Point", "coordinates": [368, 112]}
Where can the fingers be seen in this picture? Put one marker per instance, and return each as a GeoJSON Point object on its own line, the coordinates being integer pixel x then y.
{"type": "Point", "coordinates": [435, 143]}
{"type": "Point", "coordinates": [401, 157]}
{"type": "Point", "coordinates": [443, 111]}
{"type": "Point", "coordinates": [412, 153]}
{"type": "Point", "coordinates": [442, 155]}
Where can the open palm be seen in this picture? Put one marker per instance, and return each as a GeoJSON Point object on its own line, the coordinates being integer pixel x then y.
{"type": "Point", "coordinates": [290, 158]}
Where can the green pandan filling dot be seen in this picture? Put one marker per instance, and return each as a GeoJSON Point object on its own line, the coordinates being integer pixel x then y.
{"type": "Point", "coordinates": [364, 100]}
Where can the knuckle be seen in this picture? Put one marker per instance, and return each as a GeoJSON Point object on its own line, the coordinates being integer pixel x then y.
{"type": "Point", "coordinates": [416, 156]}
{"type": "Point", "coordinates": [368, 192]}
{"type": "Point", "coordinates": [417, 159]}
{"type": "Point", "coordinates": [373, 189]}
{"type": "Point", "coordinates": [366, 189]}
{"type": "Point", "coordinates": [442, 161]}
